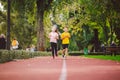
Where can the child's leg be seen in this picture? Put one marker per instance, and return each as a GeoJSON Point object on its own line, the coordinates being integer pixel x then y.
{"type": "Point", "coordinates": [52, 47]}
{"type": "Point", "coordinates": [55, 48]}
{"type": "Point", "coordinates": [66, 51]}
{"type": "Point", "coordinates": [63, 53]}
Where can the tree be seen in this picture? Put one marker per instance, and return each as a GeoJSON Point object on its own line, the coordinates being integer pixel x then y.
{"type": "Point", "coordinates": [42, 6]}
{"type": "Point", "coordinates": [22, 10]}
{"type": "Point", "coordinates": [100, 15]}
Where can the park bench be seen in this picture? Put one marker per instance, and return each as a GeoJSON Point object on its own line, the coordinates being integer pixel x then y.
{"type": "Point", "coordinates": [112, 50]}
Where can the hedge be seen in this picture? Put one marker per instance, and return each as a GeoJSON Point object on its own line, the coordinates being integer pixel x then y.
{"type": "Point", "coordinates": [6, 55]}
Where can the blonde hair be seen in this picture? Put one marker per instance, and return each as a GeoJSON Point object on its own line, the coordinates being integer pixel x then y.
{"type": "Point", "coordinates": [53, 28]}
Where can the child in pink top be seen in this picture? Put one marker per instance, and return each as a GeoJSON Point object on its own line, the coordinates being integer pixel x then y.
{"type": "Point", "coordinates": [53, 35]}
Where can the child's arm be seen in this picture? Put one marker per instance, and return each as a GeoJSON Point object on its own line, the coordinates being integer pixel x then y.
{"type": "Point", "coordinates": [62, 36]}
{"type": "Point", "coordinates": [66, 36]}
{"type": "Point", "coordinates": [69, 35]}
{"type": "Point", "coordinates": [57, 37]}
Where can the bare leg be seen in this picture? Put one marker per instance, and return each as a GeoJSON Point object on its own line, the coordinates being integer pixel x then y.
{"type": "Point", "coordinates": [63, 52]}
{"type": "Point", "coordinates": [66, 51]}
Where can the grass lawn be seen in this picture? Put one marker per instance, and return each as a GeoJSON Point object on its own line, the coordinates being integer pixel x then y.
{"type": "Point", "coordinates": [107, 57]}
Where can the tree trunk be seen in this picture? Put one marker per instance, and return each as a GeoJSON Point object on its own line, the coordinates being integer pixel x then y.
{"type": "Point", "coordinates": [40, 29]}
{"type": "Point", "coordinates": [8, 27]}
{"type": "Point", "coordinates": [117, 32]}
{"type": "Point", "coordinates": [96, 40]}
{"type": "Point", "coordinates": [106, 34]}
{"type": "Point", "coordinates": [111, 36]}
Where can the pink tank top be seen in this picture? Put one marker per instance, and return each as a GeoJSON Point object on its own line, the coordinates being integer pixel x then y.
{"type": "Point", "coordinates": [53, 37]}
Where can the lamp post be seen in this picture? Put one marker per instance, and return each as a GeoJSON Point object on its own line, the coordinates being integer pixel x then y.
{"type": "Point", "coordinates": [8, 26]}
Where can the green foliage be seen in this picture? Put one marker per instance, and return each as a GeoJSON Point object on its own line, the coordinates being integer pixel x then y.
{"type": "Point", "coordinates": [76, 13]}
{"type": "Point", "coordinates": [2, 21]}
{"type": "Point", "coordinates": [73, 46]}
{"type": "Point", "coordinates": [6, 56]}
{"type": "Point", "coordinates": [114, 58]}
{"type": "Point", "coordinates": [23, 18]}
{"type": "Point", "coordinates": [95, 14]}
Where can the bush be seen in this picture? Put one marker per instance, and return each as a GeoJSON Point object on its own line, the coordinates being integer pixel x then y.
{"type": "Point", "coordinates": [60, 52]}
{"type": "Point", "coordinates": [6, 55]}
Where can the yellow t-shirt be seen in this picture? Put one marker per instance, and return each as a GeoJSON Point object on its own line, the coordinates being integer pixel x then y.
{"type": "Point", "coordinates": [14, 43]}
{"type": "Point", "coordinates": [65, 36]}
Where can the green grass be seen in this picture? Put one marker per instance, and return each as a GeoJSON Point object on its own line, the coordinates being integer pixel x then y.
{"type": "Point", "coordinates": [107, 57]}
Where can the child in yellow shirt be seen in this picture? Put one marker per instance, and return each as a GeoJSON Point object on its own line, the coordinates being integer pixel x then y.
{"type": "Point", "coordinates": [65, 36]}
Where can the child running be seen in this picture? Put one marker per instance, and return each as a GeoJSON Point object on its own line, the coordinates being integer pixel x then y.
{"type": "Point", "coordinates": [53, 41]}
{"type": "Point", "coordinates": [65, 36]}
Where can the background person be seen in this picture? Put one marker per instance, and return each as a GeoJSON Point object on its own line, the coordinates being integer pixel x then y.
{"type": "Point", "coordinates": [15, 44]}
{"type": "Point", "coordinates": [32, 48]}
{"type": "Point", "coordinates": [2, 41]}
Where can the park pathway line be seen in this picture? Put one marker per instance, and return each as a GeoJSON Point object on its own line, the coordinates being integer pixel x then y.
{"type": "Point", "coordinates": [63, 75]}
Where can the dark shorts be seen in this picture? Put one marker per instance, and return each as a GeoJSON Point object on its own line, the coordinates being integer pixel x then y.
{"type": "Point", "coordinates": [65, 46]}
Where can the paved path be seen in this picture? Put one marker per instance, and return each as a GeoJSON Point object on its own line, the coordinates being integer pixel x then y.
{"type": "Point", "coordinates": [73, 68]}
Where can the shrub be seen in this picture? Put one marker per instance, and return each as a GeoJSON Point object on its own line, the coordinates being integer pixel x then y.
{"type": "Point", "coordinates": [6, 55]}
{"type": "Point", "coordinates": [60, 52]}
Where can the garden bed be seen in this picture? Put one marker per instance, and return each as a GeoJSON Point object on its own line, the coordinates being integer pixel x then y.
{"type": "Point", "coordinates": [6, 55]}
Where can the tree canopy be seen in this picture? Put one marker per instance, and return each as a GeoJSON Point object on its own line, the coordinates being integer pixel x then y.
{"type": "Point", "coordinates": [91, 22]}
